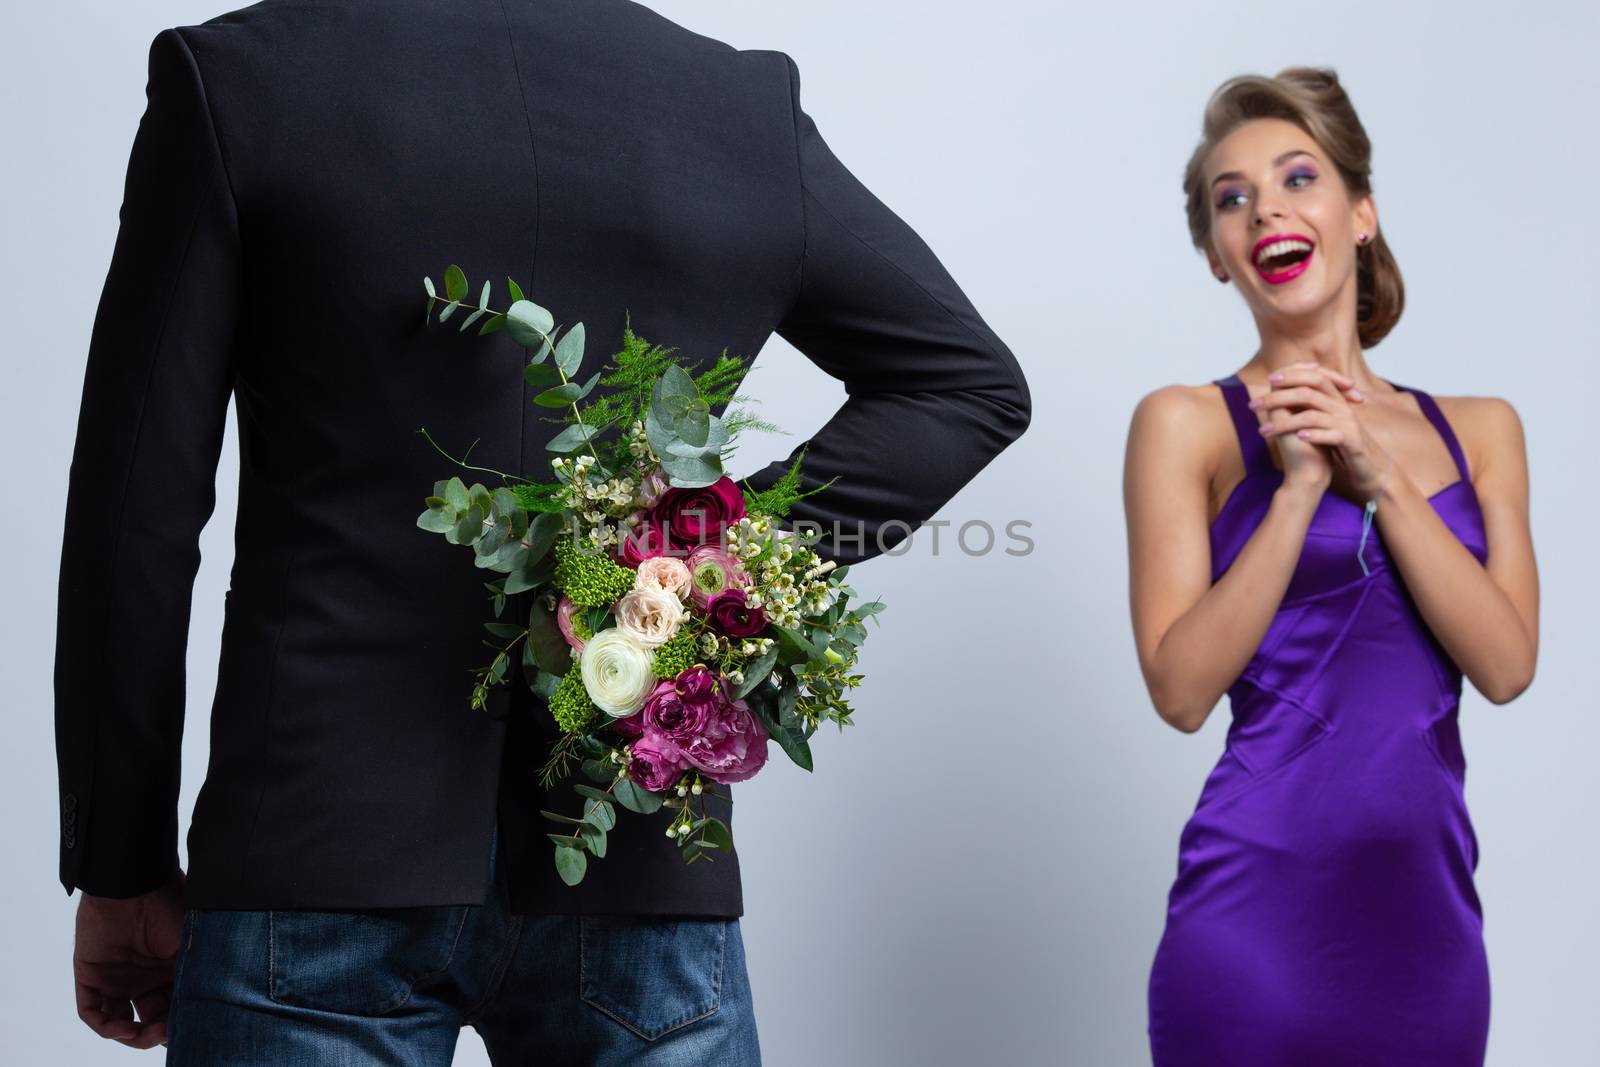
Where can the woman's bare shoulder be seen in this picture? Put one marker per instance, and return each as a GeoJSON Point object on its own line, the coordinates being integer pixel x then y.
{"type": "Point", "coordinates": [1488, 427]}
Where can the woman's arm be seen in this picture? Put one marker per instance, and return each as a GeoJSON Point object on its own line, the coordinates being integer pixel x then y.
{"type": "Point", "coordinates": [1485, 617]}
{"type": "Point", "coordinates": [1194, 638]}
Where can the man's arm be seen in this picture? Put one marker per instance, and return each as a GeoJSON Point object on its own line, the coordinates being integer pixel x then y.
{"type": "Point", "coordinates": [142, 485]}
{"type": "Point", "coordinates": [934, 395]}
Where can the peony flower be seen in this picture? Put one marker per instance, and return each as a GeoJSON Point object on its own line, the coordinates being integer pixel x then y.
{"type": "Point", "coordinates": [616, 672]}
{"type": "Point", "coordinates": [731, 615]}
{"type": "Point", "coordinates": [694, 516]}
{"type": "Point", "coordinates": [564, 612]}
{"type": "Point", "coordinates": [733, 745]}
{"type": "Point", "coordinates": [677, 712]}
{"type": "Point", "coordinates": [655, 763]}
{"type": "Point", "coordinates": [650, 615]}
{"type": "Point", "coordinates": [667, 573]}
{"type": "Point", "coordinates": [711, 571]}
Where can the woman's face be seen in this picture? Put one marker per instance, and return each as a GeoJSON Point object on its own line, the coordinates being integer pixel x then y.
{"type": "Point", "coordinates": [1283, 227]}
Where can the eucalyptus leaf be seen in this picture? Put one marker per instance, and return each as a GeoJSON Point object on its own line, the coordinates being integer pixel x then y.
{"type": "Point", "coordinates": [560, 396]}
{"type": "Point", "coordinates": [455, 494]}
{"type": "Point", "coordinates": [635, 797]}
{"type": "Point", "coordinates": [569, 820]}
{"type": "Point", "coordinates": [483, 300]}
{"type": "Point", "coordinates": [570, 864]}
{"type": "Point", "coordinates": [569, 350]}
{"type": "Point", "coordinates": [516, 290]}
{"type": "Point", "coordinates": [469, 527]}
{"type": "Point", "coordinates": [684, 472]}
{"type": "Point", "coordinates": [449, 310]}
{"type": "Point", "coordinates": [541, 375]}
{"type": "Point", "coordinates": [595, 838]}
{"type": "Point", "coordinates": [571, 439]}
{"type": "Point", "coordinates": [528, 323]}
{"type": "Point", "coordinates": [427, 284]}
{"type": "Point", "coordinates": [455, 283]}
{"type": "Point", "coordinates": [469, 320]}
{"type": "Point", "coordinates": [493, 323]}
{"type": "Point", "coordinates": [601, 815]}
{"type": "Point", "coordinates": [437, 520]}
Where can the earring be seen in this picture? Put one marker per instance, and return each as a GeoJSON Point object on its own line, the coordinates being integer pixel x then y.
{"type": "Point", "coordinates": [1361, 238]}
{"type": "Point", "coordinates": [1222, 277]}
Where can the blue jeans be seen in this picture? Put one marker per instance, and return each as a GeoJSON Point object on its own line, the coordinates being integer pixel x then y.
{"type": "Point", "coordinates": [394, 986]}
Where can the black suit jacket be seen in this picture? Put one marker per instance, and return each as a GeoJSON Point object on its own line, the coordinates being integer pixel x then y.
{"type": "Point", "coordinates": [298, 170]}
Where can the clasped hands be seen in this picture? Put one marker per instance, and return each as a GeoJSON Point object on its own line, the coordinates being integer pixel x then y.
{"type": "Point", "coordinates": [1312, 413]}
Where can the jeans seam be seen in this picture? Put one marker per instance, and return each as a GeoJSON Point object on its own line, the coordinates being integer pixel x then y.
{"type": "Point", "coordinates": [497, 976]}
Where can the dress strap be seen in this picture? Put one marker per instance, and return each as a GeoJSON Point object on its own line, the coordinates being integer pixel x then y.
{"type": "Point", "coordinates": [1245, 424]}
{"type": "Point", "coordinates": [1430, 408]}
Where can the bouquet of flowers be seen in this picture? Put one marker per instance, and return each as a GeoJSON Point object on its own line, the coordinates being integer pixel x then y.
{"type": "Point", "coordinates": [672, 625]}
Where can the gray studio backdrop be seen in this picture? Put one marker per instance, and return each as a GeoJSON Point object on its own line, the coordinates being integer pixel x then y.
{"type": "Point", "coordinates": [904, 904]}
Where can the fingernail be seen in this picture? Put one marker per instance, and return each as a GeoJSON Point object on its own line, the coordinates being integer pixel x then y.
{"type": "Point", "coordinates": [1358, 394]}
{"type": "Point", "coordinates": [1277, 377]}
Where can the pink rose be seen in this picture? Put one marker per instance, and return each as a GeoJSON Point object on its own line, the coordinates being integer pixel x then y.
{"type": "Point", "coordinates": [564, 612]}
{"type": "Point", "coordinates": [666, 572]}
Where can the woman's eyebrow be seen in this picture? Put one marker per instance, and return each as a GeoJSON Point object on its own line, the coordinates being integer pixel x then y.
{"type": "Point", "coordinates": [1276, 162]}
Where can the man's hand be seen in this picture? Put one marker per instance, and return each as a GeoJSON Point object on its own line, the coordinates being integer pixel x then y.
{"type": "Point", "coordinates": [123, 962]}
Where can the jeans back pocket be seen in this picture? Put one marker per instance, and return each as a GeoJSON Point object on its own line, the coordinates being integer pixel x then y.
{"type": "Point", "coordinates": [361, 962]}
{"type": "Point", "coordinates": [652, 975]}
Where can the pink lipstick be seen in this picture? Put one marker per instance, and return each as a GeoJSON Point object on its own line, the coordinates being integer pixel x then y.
{"type": "Point", "coordinates": [1279, 244]}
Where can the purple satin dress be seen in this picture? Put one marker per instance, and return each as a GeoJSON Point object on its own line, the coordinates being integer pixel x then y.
{"type": "Point", "coordinates": [1323, 913]}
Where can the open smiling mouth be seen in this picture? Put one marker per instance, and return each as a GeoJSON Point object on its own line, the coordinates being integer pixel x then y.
{"type": "Point", "coordinates": [1283, 260]}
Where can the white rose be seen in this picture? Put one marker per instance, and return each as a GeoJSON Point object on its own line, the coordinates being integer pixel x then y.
{"type": "Point", "coordinates": [665, 572]}
{"type": "Point", "coordinates": [616, 672]}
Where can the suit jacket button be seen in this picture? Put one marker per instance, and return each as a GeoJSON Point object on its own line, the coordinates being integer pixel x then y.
{"type": "Point", "coordinates": [70, 801]}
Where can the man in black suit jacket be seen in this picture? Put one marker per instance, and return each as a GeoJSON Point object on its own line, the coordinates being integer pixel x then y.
{"type": "Point", "coordinates": [298, 169]}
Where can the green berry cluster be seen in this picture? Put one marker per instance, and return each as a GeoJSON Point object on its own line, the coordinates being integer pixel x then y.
{"type": "Point", "coordinates": [590, 578]}
{"type": "Point", "coordinates": [676, 655]}
{"type": "Point", "coordinates": [570, 704]}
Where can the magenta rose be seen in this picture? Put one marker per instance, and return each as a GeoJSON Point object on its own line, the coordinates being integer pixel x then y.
{"type": "Point", "coordinates": [649, 538]}
{"type": "Point", "coordinates": [656, 762]}
{"type": "Point", "coordinates": [679, 711]}
{"type": "Point", "coordinates": [733, 745]}
{"type": "Point", "coordinates": [695, 516]}
{"type": "Point", "coordinates": [731, 614]}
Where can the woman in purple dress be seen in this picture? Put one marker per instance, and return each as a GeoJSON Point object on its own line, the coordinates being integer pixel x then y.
{"type": "Point", "coordinates": [1333, 551]}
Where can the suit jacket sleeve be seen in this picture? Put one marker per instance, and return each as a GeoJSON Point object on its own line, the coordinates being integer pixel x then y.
{"type": "Point", "coordinates": [141, 487]}
{"type": "Point", "coordinates": [933, 394]}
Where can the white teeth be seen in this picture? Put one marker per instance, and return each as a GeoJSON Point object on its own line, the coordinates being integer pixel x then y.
{"type": "Point", "coordinates": [1278, 248]}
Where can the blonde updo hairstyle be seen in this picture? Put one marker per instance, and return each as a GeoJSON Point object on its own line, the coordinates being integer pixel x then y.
{"type": "Point", "coordinates": [1311, 98]}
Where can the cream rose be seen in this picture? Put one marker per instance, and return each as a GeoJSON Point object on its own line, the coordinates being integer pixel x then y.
{"type": "Point", "coordinates": [664, 572]}
{"type": "Point", "coordinates": [650, 615]}
{"type": "Point", "coordinates": [616, 672]}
